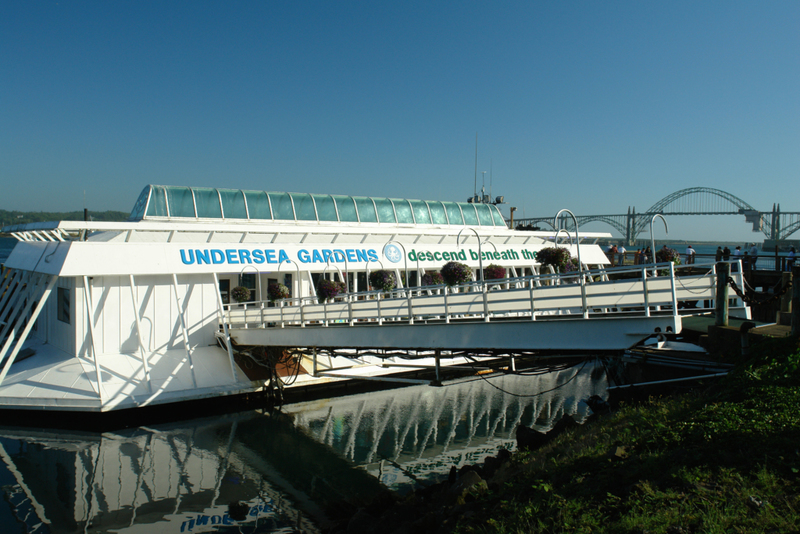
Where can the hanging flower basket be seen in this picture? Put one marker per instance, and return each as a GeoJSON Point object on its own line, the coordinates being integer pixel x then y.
{"type": "Point", "coordinates": [382, 280]}
{"type": "Point", "coordinates": [664, 255]}
{"type": "Point", "coordinates": [327, 289]}
{"type": "Point", "coordinates": [494, 272]}
{"type": "Point", "coordinates": [559, 258]}
{"type": "Point", "coordinates": [454, 273]}
{"type": "Point", "coordinates": [277, 292]}
{"type": "Point", "coordinates": [240, 294]}
{"type": "Point", "coordinates": [433, 278]}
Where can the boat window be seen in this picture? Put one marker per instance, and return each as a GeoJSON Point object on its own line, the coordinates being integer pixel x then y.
{"type": "Point", "coordinates": [403, 211]}
{"type": "Point", "coordinates": [438, 214]}
{"type": "Point", "coordinates": [207, 202]}
{"type": "Point", "coordinates": [485, 214]}
{"type": "Point", "coordinates": [258, 205]}
{"type": "Point", "coordinates": [326, 209]}
{"type": "Point", "coordinates": [470, 215]}
{"type": "Point", "coordinates": [421, 213]}
{"type": "Point", "coordinates": [282, 206]}
{"type": "Point", "coordinates": [385, 210]}
{"type": "Point", "coordinates": [366, 209]}
{"type": "Point", "coordinates": [157, 207]}
{"type": "Point", "coordinates": [304, 207]}
{"type": "Point", "coordinates": [64, 308]}
{"type": "Point", "coordinates": [498, 217]}
{"type": "Point", "coordinates": [232, 204]}
{"type": "Point", "coordinates": [346, 208]}
{"type": "Point", "coordinates": [141, 203]}
{"type": "Point", "coordinates": [181, 202]}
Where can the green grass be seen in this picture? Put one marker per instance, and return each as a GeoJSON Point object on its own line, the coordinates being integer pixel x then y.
{"type": "Point", "coordinates": [722, 460]}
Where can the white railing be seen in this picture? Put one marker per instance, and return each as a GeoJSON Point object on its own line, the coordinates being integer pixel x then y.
{"type": "Point", "coordinates": [624, 291]}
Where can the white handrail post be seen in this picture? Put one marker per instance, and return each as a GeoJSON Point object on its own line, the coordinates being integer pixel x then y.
{"type": "Point", "coordinates": [646, 294]}
{"type": "Point", "coordinates": [405, 286]}
{"type": "Point", "coordinates": [580, 263]}
{"type": "Point", "coordinates": [674, 289]}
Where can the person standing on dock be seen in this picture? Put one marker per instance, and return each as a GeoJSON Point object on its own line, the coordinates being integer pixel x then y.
{"type": "Point", "coordinates": [689, 255]}
{"type": "Point", "coordinates": [622, 254]}
{"type": "Point", "coordinates": [790, 259]}
{"type": "Point", "coordinates": [718, 255]}
{"type": "Point", "coordinates": [753, 256]}
{"type": "Point", "coordinates": [726, 253]}
{"type": "Point", "coordinates": [737, 256]}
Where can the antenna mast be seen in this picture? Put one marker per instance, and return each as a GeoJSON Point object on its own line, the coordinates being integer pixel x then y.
{"type": "Point", "coordinates": [475, 189]}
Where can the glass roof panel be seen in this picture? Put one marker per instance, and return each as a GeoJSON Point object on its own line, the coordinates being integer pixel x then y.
{"type": "Point", "coordinates": [403, 211]}
{"type": "Point", "coordinates": [421, 213]}
{"type": "Point", "coordinates": [258, 205]}
{"type": "Point", "coordinates": [453, 213]}
{"type": "Point", "coordinates": [385, 210]}
{"type": "Point", "coordinates": [138, 209]}
{"type": "Point", "coordinates": [207, 202]}
{"type": "Point", "coordinates": [366, 209]}
{"type": "Point", "coordinates": [498, 217]}
{"type": "Point", "coordinates": [438, 214]}
{"type": "Point", "coordinates": [485, 214]}
{"type": "Point", "coordinates": [303, 207]}
{"type": "Point", "coordinates": [281, 206]}
{"type": "Point", "coordinates": [157, 207]}
{"type": "Point", "coordinates": [346, 207]}
{"type": "Point", "coordinates": [180, 202]}
{"type": "Point", "coordinates": [326, 209]}
{"type": "Point", "coordinates": [232, 204]}
{"type": "Point", "coordinates": [470, 215]}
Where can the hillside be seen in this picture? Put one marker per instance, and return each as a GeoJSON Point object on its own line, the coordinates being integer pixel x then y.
{"type": "Point", "coordinates": [24, 217]}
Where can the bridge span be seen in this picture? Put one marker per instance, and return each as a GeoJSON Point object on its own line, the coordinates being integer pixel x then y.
{"type": "Point", "coordinates": [775, 224]}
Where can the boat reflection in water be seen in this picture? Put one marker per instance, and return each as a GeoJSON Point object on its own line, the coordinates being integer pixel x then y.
{"type": "Point", "coordinates": [293, 470]}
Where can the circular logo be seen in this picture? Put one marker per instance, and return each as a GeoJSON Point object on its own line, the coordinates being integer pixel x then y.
{"type": "Point", "coordinates": [393, 253]}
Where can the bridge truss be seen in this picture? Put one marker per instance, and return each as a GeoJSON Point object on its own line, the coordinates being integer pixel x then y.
{"type": "Point", "coordinates": [773, 224]}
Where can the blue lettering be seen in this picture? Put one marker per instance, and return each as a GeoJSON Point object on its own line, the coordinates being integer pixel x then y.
{"type": "Point", "coordinates": [244, 256]}
{"type": "Point", "coordinates": [316, 256]}
{"type": "Point", "coordinates": [362, 255]}
{"type": "Point", "coordinates": [338, 256]}
{"type": "Point", "coordinates": [186, 261]}
{"type": "Point", "coordinates": [226, 520]}
{"type": "Point", "coordinates": [303, 256]}
{"type": "Point", "coordinates": [217, 256]}
{"type": "Point", "coordinates": [373, 256]}
{"type": "Point", "coordinates": [230, 255]}
{"type": "Point", "coordinates": [258, 256]}
{"type": "Point", "coordinates": [202, 256]}
{"type": "Point", "coordinates": [270, 256]}
{"type": "Point", "coordinates": [216, 520]}
{"type": "Point", "coordinates": [282, 256]}
{"type": "Point", "coordinates": [326, 255]}
{"type": "Point", "coordinates": [202, 520]}
{"type": "Point", "coordinates": [351, 254]}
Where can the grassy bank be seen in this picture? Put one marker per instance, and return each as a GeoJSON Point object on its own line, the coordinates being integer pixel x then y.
{"type": "Point", "coordinates": [723, 458]}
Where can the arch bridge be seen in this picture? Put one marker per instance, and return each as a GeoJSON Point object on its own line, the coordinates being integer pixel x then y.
{"type": "Point", "coordinates": [773, 224]}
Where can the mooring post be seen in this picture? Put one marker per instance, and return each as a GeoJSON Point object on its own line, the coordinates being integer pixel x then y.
{"type": "Point", "coordinates": [721, 308]}
{"type": "Point", "coordinates": [796, 301]}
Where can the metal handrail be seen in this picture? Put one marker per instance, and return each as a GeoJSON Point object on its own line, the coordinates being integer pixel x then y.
{"type": "Point", "coordinates": [545, 293]}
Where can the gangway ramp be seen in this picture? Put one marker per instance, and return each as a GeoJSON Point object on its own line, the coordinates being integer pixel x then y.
{"type": "Point", "coordinates": [589, 310]}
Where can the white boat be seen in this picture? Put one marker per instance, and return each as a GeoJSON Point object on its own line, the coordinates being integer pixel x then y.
{"type": "Point", "coordinates": [101, 316]}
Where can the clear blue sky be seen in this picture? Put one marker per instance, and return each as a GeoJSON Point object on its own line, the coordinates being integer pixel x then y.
{"type": "Point", "coordinates": [590, 106]}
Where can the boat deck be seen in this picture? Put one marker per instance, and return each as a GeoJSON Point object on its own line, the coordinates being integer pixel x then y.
{"type": "Point", "coordinates": [55, 380]}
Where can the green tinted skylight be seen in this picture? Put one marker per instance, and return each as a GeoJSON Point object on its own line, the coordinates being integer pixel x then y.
{"type": "Point", "coordinates": [159, 202]}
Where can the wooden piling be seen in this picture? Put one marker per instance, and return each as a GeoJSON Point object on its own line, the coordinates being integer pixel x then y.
{"type": "Point", "coordinates": [721, 303]}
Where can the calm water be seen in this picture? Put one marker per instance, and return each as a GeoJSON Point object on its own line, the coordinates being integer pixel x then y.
{"type": "Point", "coordinates": [296, 468]}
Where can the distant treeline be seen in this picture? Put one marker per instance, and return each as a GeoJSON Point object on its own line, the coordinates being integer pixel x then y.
{"type": "Point", "coordinates": [24, 217]}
